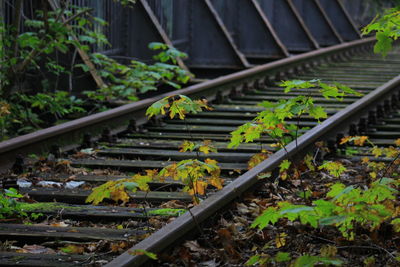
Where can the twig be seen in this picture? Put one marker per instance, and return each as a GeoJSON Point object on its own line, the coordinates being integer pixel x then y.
{"type": "Point", "coordinates": [388, 167]}
{"type": "Point", "coordinates": [68, 20]}
{"type": "Point", "coordinates": [375, 247]}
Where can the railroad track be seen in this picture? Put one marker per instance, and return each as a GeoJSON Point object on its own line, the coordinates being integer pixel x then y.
{"type": "Point", "coordinates": [97, 234]}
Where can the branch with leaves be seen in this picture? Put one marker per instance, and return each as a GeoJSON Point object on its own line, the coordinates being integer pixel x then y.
{"type": "Point", "coordinates": [386, 28]}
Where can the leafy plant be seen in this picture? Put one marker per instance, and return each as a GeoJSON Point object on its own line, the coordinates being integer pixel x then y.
{"type": "Point", "coordinates": [386, 28]}
{"type": "Point", "coordinates": [334, 168]}
{"type": "Point", "coordinates": [347, 208]}
{"type": "Point", "coordinates": [10, 207]}
{"type": "Point", "coordinates": [126, 81]}
{"type": "Point", "coordinates": [205, 147]}
{"type": "Point", "coordinates": [376, 167]}
{"type": "Point", "coordinates": [117, 190]}
{"type": "Point", "coordinates": [273, 121]}
{"type": "Point", "coordinates": [264, 259]}
{"type": "Point", "coordinates": [58, 104]}
{"type": "Point", "coordinates": [196, 175]}
{"type": "Point", "coordinates": [176, 105]}
{"type": "Point", "coordinates": [31, 53]}
{"type": "Point", "coordinates": [29, 62]}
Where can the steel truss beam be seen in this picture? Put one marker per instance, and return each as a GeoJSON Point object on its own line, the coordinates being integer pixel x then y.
{"type": "Point", "coordinates": [289, 25]}
{"type": "Point", "coordinates": [142, 29]}
{"type": "Point", "coordinates": [196, 29]}
{"type": "Point", "coordinates": [251, 30]}
{"type": "Point", "coordinates": [340, 19]}
{"type": "Point", "coordinates": [317, 21]}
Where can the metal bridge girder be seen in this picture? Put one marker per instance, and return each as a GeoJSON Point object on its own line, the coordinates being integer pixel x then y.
{"type": "Point", "coordinates": [195, 28]}
{"type": "Point", "coordinates": [211, 38]}
{"type": "Point", "coordinates": [317, 21]}
{"type": "Point", "coordinates": [289, 25]}
{"type": "Point", "coordinates": [251, 30]}
{"type": "Point", "coordinates": [340, 19]}
{"type": "Point", "coordinates": [143, 28]}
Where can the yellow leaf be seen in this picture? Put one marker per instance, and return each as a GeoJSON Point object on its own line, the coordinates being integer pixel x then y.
{"type": "Point", "coordinates": [186, 145]}
{"type": "Point", "coordinates": [211, 161]}
{"type": "Point", "coordinates": [216, 182]}
{"type": "Point", "coordinates": [328, 251]}
{"type": "Point", "coordinates": [152, 173]}
{"type": "Point", "coordinates": [365, 160]}
{"type": "Point", "coordinates": [256, 159]}
{"type": "Point", "coordinates": [397, 142]}
{"type": "Point", "coordinates": [204, 149]}
{"type": "Point", "coordinates": [199, 188]}
{"type": "Point", "coordinates": [345, 140]}
{"type": "Point", "coordinates": [373, 175]}
{"type": "Point", "coordinates": [119, 194]}
{"type": "Point", "coordinates": [308, 160]}
{"type": "Point", "coordinates": [207, 147]}
{"type": "Point", "coordinates": [376, 151]}
{"type": "Point", "coordinates": [280, 240]}
{"type": "Point", "coordinates": [360, 140]}
{"type": "Point", "coordinates": [391, 152]}
{"type": "Point", "coordinates": [4, 109]}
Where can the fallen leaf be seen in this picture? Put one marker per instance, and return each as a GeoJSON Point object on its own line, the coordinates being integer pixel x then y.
{"type": "Point", "coordinates": [60, 224]}
{"type": "Point", "coordinates": [227, 242]}
{"type": "Point", "coordinates": [280, 240]}
{"type": "Point", "coordinates": [194, 246]}
{"type": "Point", "coordinates": [73, 249]}
{"type": "Point", "coordinates": [35, 249]}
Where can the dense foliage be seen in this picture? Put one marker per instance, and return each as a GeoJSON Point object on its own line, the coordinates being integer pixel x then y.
{"type": "Point", "coordinates": [34, 61]}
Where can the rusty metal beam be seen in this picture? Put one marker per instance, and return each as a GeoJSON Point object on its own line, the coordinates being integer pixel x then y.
{"type": "Point", "coordinates": [340, 19]}
{"type": "Point", "coordinates": [251, 30]}
{"type": "Point", "coordinates": [289, 25]}
{"type": "Point", "coordinates": [317, 22]}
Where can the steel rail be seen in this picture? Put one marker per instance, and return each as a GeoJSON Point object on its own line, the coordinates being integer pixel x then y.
{"type": "Point", "coordinates": [70, 133]}
{"type": "Point", "coordinates": [188, 222]}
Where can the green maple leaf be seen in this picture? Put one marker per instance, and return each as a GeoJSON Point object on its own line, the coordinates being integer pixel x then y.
{"type": "Point", "coordinates": [285, 165]}
{"type": "Point", "coordinates": [383, 44]}
{"type": "Point", "coordinates": [270, 215]}
{"type": "Point", "coordinates": [317, 112]}
{"type": "Point", "coordinates": [329, 91]}
{"type": "Point", "coordinates": [297, 84]}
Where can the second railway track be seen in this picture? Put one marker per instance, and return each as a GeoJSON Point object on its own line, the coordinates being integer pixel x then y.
{"type": "Point", "coordinates": [153, 145]}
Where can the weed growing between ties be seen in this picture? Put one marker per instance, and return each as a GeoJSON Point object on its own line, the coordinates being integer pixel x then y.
{"type": "Point", "coordinates": [195, 175]}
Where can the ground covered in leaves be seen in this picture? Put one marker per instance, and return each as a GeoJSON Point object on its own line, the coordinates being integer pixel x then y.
{"type": "Point", "coordinates": [240, 237]}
